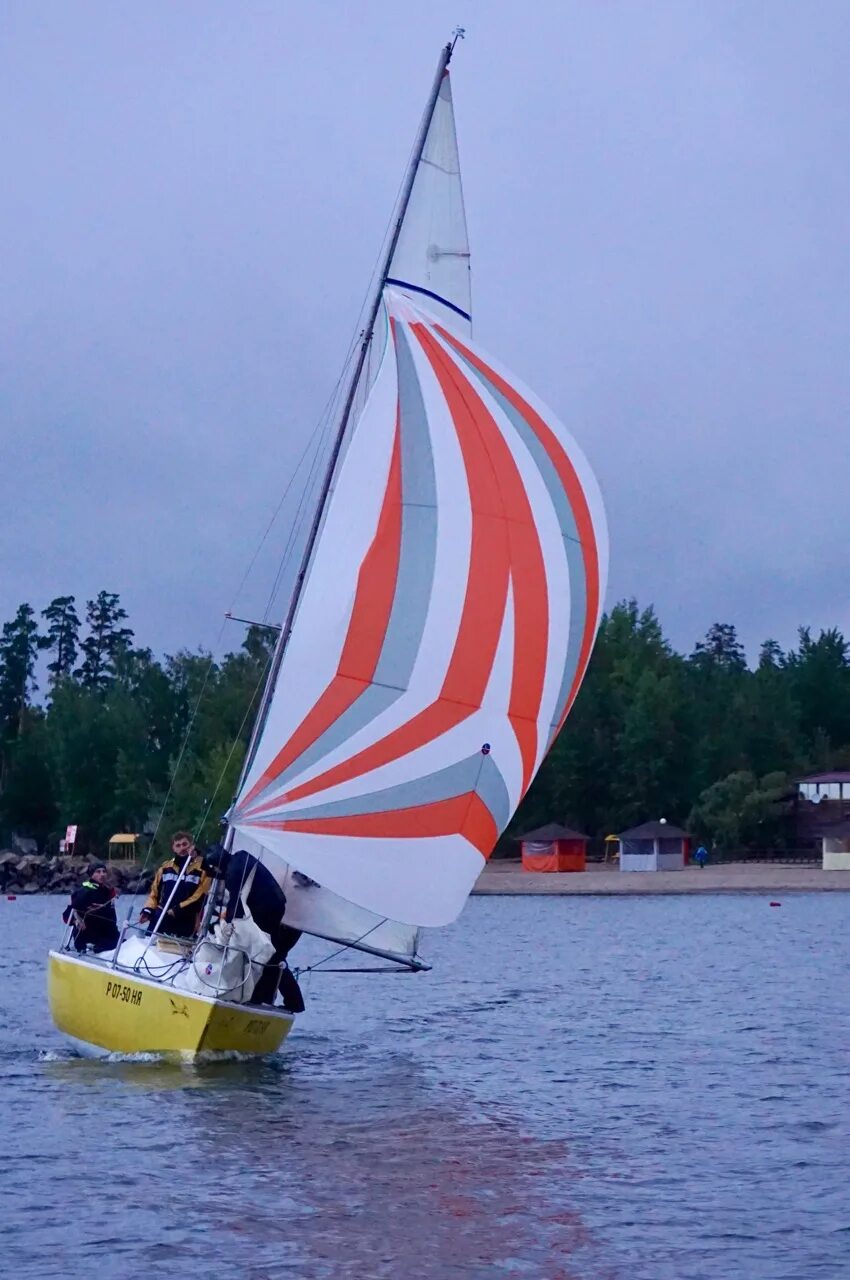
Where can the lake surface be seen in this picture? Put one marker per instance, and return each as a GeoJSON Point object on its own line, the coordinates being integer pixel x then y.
{"type": "Point", "coordinates": [652, 1088]}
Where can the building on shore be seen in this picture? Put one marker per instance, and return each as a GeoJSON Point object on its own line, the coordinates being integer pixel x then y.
{"type": "Point", "coordinates": [836, 847]}
{"type": "Point", "coordinates": [553, 848]}
{"type": "Point", "coordinates": [821, 802]}
{"type": "Point", "coordinates": [653, 846]}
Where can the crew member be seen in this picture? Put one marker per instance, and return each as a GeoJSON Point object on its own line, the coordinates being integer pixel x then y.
{"type": "Point", "coordinates": [181, 902]}
{"type": "Point", "coordinates": [244, 875]}
{"type": "Point", "coordinates": [92, 911]}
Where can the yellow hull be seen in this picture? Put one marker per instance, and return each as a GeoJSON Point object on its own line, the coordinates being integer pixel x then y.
{"type": "Point", "coordinates": [108, 1008]}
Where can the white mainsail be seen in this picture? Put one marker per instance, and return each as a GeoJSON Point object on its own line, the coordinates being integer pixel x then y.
{"type": "Point", "coordinates": [448, 615]}
{"type": "Point", "coordinates": [431, 259]}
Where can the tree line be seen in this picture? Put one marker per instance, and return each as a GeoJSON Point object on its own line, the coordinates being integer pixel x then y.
{"type": "Point", "coordinates": [118, 736]}
{"type": "Point", "coordinates": [704, 740]}
{"type": "Point", "coordinates": [101, 745]}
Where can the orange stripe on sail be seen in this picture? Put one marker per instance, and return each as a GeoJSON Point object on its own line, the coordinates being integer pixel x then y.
{"type": "Point", "coordinates": [376, 583]}
{"type": "Point", "coordinates": [528, 572]}
{"type": "Point", "coordinates": [465, 815]}
{"type": "Point", "coordinates": [575, 495]}
{"type": "Point", "coordinates": [489, 568]}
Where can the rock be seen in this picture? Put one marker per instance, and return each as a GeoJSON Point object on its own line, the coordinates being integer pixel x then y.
{"type": "Point", "coordinates": [32, 873]}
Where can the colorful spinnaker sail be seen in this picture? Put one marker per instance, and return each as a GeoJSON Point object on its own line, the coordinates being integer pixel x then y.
{"type": "Point", "coordinates": [450, 607]}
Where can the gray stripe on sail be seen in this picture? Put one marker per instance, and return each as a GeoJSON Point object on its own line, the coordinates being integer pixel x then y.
{"type": "Point", "coordinates": [492, 790]}
{"type": "Point", "coordinates": [578, 614]}
{"type": "Point", "coordinates": [418, 528]}
{"type": "Point", "coordinates": [477, 773]}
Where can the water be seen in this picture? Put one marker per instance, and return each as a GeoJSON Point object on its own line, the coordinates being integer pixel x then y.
{"type": "Point", "coordinates": [648, 1089]}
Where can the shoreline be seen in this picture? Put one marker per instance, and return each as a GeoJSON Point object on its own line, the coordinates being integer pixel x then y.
{"type": "Point", "coordinates": [506, 878]}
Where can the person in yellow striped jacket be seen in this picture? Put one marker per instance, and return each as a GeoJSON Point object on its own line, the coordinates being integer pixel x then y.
{"type": "Point", "coordinates": [184, 905]}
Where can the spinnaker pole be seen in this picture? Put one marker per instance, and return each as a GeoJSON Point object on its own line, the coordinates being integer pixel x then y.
{"type": "Point", "coordinates": [368, 332]}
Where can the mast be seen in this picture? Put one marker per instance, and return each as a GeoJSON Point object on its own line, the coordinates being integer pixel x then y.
{"type": "Point", "coordinates": [368, 332]}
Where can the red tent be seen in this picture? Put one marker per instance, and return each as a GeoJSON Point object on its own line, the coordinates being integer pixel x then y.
{"type": "Point", "coordinates": [553, 848]}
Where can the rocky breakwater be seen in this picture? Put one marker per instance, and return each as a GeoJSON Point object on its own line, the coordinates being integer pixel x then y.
{"type": "Point", "coordinates": [37, 873]}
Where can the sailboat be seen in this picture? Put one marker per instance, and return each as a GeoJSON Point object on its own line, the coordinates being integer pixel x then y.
{"type": "Point", "coordinates": [440, 626]}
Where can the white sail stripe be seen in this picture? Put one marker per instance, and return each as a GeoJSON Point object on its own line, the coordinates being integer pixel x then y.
{"type": "Point", "coordinates": [324, 615]}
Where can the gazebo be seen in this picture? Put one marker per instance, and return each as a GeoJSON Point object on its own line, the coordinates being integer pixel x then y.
{"type": "Point", "coordinates": [653, 846]}
{"type": "Point", "coordinates": [122, 847]}
{"type": "Point", "coordinates": [836, 847]}
{"type": "Point", "coordinates": [553, 848]}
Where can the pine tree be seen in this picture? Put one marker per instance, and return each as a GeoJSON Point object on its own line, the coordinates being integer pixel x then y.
{"type": "Point", "coordinates": [721, 648]}
{"type": "Point", "coordinates": [106, 640]}
{"type": "Point", "coordinates": [63, 626]}
{"type": "Point", "coordinates": [19, 645]}
{"type": "Point", "coordinates": [819, 674]}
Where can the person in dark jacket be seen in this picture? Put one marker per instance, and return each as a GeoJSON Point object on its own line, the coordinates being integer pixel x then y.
{"type": "Point", "coordinates": [92, 911]}
{"type": "Point", "coordinates": [266, 903]}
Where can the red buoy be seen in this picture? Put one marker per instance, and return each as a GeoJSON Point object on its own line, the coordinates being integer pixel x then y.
{"type": "Point", "coordinates": [776, 904]}
{"type": "Point", "coordinates": [10, 897]}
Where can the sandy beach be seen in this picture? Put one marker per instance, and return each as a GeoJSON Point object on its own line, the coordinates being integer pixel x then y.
{"type": "Point", "coordinates": [507, 877]}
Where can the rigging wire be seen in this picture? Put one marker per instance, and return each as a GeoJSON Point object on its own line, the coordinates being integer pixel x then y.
{"type": "Point", "coordinates": [348, 946]}
{"type": "Point", "coordinates": [234, 744]}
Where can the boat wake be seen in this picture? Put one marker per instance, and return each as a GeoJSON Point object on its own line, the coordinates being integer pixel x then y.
{"type": "Point", "coordinates": [84, 1052]}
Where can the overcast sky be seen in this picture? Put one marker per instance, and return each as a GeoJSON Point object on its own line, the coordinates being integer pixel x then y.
{"type": "Point", "coordinates": [194, 196]}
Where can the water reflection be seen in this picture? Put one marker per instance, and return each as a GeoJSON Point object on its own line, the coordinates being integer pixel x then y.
{"type": "Point", "coordinates": [336, 1162]}
{"type": "Point", "coordinates": [392, 1174]}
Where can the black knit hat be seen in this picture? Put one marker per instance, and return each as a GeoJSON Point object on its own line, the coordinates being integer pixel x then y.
{"type": "Point", "coordinates": [216, 858]}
